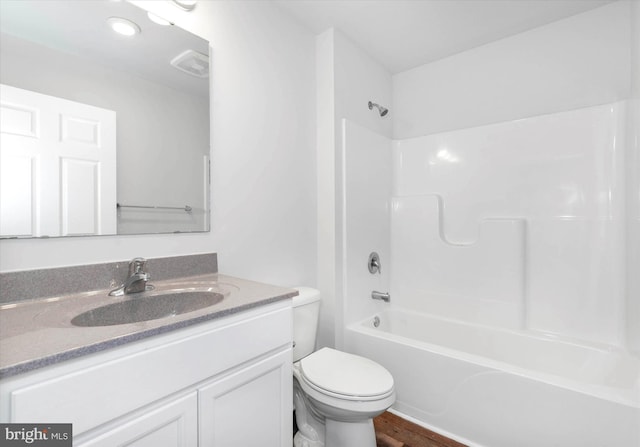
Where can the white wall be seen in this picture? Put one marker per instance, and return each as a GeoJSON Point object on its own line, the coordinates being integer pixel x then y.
{"type": "Point", "coordinates": [263, 155]}
{"type": "Point", "coordinates": [348, 80]}
{"type": "Point", "coordinates": [358, 80]}
{"type": "Point", "coordinates": [576, 62]}
{"type": "Point", "coordinates": [328, 252]}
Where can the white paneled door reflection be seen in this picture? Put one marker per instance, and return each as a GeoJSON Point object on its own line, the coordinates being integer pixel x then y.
{"type": "Point", "coordinates": [58, 166]}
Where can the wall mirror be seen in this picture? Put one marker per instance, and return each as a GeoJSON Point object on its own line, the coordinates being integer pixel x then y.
{"type": "Point", "coordinates": [102, 133]}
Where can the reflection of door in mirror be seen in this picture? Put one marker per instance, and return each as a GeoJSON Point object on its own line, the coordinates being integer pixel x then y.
{"type": "Point", "coordinates": [58, 163]}
{"type": "Point", "coordinates": [65, 48]}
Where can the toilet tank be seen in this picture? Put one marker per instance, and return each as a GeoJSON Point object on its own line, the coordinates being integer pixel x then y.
{"type": "Point", "coordinates": [306, 309]}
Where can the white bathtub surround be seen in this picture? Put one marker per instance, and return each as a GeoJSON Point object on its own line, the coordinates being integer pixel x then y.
{"type": "Point", "coordinates": [367, 158]}
{"type": "Point", "coordinates": [482, 281]}
{"type": "Point", "coordinates": [633, 188]}
{"type": "Point", "coordinates": [561, 176]}
{"type": "Point", "coordinates": [507, 261]}
{"type": "Point", "coordinates": [517, 224]}
{"type": "Point", "coordinates": [502, 388]}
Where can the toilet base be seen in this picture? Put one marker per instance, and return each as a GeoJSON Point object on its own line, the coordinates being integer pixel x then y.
{"type": "Point", "coordinates": [315, 430]}
{"type": "Point", "coordinates": [311, 428]}
{"type": "Point", "coordinates": [341, 434]}
{"type": "Point", "coordinates": [349, 434]}
{"type": "Point", "coordinates": [300, 440]}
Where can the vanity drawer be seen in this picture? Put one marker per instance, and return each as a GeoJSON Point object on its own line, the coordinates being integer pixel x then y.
{"type": "Point", "coordinates": [95, 392]}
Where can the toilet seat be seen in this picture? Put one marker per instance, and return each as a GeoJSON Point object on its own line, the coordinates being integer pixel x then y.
{"type": "Point", "coordinates": [346, 376]}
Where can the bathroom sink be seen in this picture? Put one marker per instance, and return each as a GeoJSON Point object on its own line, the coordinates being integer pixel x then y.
{"type": "Point", "coordinates": [135, 309]}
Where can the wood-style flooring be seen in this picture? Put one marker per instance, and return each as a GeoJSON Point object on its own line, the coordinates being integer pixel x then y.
{"type": "Point", "coordinates": [393, 431]}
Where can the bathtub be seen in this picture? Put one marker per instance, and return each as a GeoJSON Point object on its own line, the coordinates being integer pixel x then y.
{"type": "Point", "coordinates": [501, 388]}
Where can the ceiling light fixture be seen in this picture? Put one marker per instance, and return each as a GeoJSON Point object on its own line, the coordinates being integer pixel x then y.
{"type": "Point", "coordinates": [123, 26]}
{"type": "Point", "coordinates": [187, 5]}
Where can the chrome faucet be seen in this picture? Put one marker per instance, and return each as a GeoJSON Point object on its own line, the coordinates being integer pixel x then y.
{"type": "Point", "coordinates": [137, 280]}
{"type": "Point", "coordinates": [381, 296]}
{"type": "Point", "coordinates": [374, 263]}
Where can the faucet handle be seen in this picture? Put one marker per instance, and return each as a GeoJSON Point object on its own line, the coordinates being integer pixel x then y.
{"type": "Point", "coordinates": [137, 265]}
{"type": "Point", "coordinates": [374, 263]}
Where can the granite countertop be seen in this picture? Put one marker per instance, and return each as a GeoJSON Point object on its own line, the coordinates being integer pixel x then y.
{"type": "Point", "coordinates": [37, 333]}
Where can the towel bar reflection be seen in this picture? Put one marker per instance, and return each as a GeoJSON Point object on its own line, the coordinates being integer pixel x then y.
{"type": "Point", "coordinates": [186, 208]}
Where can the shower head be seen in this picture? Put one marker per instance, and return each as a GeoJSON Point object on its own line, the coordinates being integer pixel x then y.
{"type": "Point", "coordinates": [383, 110]}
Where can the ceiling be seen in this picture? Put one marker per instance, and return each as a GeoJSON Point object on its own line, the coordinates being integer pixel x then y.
{"type": "Point", "coordinates": [403, 34]}
{"type": "Point", "coordinates": [80, 28]}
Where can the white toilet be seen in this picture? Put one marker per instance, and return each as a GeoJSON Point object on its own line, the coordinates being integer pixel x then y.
{"type": "Point", "coordinates": [336, 395]}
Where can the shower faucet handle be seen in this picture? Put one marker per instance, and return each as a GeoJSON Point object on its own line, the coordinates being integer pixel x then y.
{"type": "Point", "coordinates": [374, 265]}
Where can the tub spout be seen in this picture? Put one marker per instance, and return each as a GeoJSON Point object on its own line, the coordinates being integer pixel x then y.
{"type": "Point", "coordinates": [381, 296]}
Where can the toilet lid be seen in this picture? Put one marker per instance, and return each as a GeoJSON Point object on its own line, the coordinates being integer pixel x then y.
{"type": "Point", "coordinates": [346, 374]}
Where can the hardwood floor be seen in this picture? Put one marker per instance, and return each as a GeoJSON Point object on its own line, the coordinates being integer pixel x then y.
{"type": "Point", "coordinates": [393, 431]}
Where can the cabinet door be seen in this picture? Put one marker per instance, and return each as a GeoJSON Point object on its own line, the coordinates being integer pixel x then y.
{"type": "Point", "coordinates": [174, 424]}
{"type": "Point", "coordinates": [249, 408]}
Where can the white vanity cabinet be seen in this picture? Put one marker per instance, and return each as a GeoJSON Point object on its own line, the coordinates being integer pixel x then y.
{"type": "Point", "coordinates": [247, 407]}
{"type": "Point", "coordinates": [171, 424]}
{"type": "Point", "coordinates": [223, 383]}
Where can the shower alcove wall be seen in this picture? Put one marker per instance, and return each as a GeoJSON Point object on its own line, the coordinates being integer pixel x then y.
{"type": "Point", "coordinates": [510, 240]}
{"type": "Point", "coordinates": [517, 225]}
